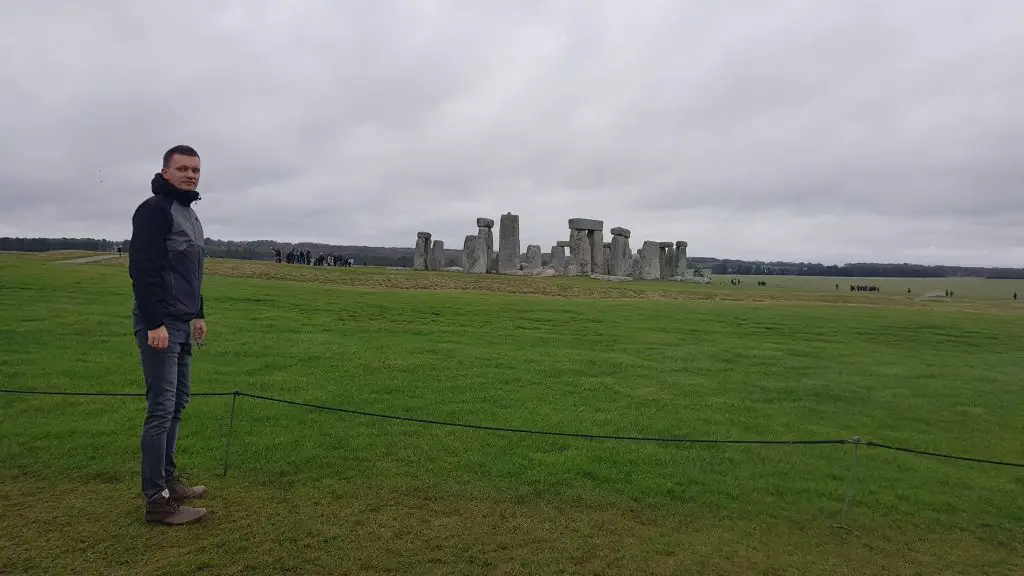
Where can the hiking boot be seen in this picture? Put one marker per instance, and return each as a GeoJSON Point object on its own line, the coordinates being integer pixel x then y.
{"type": "Point", "coordinates": [180, 492]}
{"type": "Point", "coordinates": [162, 509]}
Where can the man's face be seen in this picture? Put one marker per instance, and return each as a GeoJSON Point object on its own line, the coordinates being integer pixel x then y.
{"type": "Point", "coordinates": [183, 172]}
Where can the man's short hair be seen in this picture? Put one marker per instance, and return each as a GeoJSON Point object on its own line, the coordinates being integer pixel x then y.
{"type": "Point", "coordinates": [180, 149]}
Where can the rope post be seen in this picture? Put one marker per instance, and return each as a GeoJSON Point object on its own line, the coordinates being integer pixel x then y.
{"type": "Point", "coordinates": [851, 483]}
{"type": "Point", "coordinates": [231, 429]}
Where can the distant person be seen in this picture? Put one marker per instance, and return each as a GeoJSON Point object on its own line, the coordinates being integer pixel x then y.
{"type": "Point", "coordinates": [118, 251]}
{"type": "Point", "coordinates": [166, 257]}
{"type": "Point", "coordinates": [1015, 295]}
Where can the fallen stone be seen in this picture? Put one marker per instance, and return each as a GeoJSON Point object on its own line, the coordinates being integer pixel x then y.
{"type": "Point", "coordinates": [484, 223]}
{"type": "Point", "coordinates": [453, 269]}
{"type": "Point", "coordinates": [611, 278]}
{"type": "Point", "coordinates": [508, 243]}
{"type": "Point", "coordinates": [572, 269]}
{"type": "Point", "coordinates": [436, 261]}
{"type": "Point", "coordinates": [401, 268]}
{"type": "Point", "coordinates": [619, 231]}
{"type": "Point", "coordinates": [538, 272]}
{"type": "Point", "coordinates": [585, 224]}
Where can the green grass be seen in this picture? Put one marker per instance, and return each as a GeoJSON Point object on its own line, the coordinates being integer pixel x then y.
{"type": "Point", "coordinates": [320, 492]}
{"type": "Point", "coordinates": [963, 288]}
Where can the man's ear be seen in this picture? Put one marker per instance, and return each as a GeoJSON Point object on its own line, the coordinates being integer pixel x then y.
{"type": "Point", "coordinates": [163, 172]}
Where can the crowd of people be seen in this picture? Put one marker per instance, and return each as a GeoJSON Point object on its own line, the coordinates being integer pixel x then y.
{"type": "Point", "coordinates": [306, 257]}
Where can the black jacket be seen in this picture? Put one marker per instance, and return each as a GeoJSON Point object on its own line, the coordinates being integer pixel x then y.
{"type": "Point", "coordinates": [166, 256]}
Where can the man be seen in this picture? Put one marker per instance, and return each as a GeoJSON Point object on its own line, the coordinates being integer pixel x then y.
{"type": "Point", "coordinates": [165, 263]}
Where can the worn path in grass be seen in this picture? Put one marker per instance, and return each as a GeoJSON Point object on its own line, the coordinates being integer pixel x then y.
{"type": "Point", "coordinates": [320, 492]}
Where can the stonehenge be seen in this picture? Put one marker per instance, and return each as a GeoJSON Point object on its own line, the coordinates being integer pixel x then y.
{"type": "Point", "coordinates": [681, 263]}
{"type": "Point", "coordinates": [579, 251]}
{"type": "Point", "coordinates": [508, 243]}
{"type": "Point", "coordinates": [474, 254]}
{"type": "Point", "coordinates": [436, 261]}
{"type": "Point", "coordinates": [421, 255]}
{"type": "Point", "coordinates": [532, 261]}
{"type": "Point", "coordinates": [484, 228]}
{"type": "Point", "coordinates": [558, 261]}
{"type": "Point", "coordinates": [586, 246]}
{"type": "Point", "coordinates": [619, 254]}
{"type": "Point", "coordinates": [588, 254]}
{"type": "Point", "coordinates": [651, 257]}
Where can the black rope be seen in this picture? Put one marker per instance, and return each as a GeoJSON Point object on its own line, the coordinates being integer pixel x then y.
{"type": "Point", "coordinates": [941, 455]}
{"type": "Point", "coordinates": [539, 432]}
{"type": "Point", "coordinates": [536, 432]}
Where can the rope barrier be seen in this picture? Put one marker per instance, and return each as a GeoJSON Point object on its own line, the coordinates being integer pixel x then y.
{"type": "Point", "coordinates": [591, 436]}
{"type": "Point", "coordinates": [537, 432]}
{"type": "Point", "coordinates": [946, 456]}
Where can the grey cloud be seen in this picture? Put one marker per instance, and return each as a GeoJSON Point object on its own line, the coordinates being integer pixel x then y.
{"type": "Point", "coordinates": [762, 129]}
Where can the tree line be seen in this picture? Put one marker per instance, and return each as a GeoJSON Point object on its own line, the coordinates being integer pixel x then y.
{"type": "Point", "coordinates": [401, 256]}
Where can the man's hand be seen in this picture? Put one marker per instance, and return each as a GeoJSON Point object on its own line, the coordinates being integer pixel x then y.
{"type": "Point", "coordinates": [158, 338]}
{"type": "Point", "coordinates": [199, 329]}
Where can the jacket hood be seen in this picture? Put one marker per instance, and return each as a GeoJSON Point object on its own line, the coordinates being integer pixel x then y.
{"type": "Point", "coordinates": [160, 185]}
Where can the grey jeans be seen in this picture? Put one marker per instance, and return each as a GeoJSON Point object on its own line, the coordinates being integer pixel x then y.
{"type": "Point", "coordinates": [167, 374]}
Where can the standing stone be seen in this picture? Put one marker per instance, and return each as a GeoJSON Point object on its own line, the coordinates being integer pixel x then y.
{"type": "Point", "coordinates": [421, 254]}
{"type": "Point", "coordinates": [508, 244]}
{"type": "Point", "coordinates": [650, 264]}
{"type": "Point", "coordinates": [579, 251]}
{"type": "Point", "coordinates": [618, 262]}
{"type": "Point", "coordinates": [558, 259]}
{"type": "Point", "coordinates": [634, 266]}
{"type": "Point", "coordinates": [670, 262]}
{"type": "Point", "coordinates": [474, 254]}
{"type": "Point", "coordinates": [597, 261]}
{"type": "Point", "coordinates": [436, 261]}
{"type": "Point", "coordinates": [533, 260]}
{"type": "Point", "coordinates": [682, 264]}
{"type": "Point", "coordinates": [663, 263]}
{"type": "Point", "coordinates": [607, 255]}
{"type": "Point", "coordinates": [484, 228]}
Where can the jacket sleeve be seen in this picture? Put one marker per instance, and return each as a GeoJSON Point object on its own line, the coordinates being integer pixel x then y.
{"type": "Point", "coordinates": [147, 260]}
{"type": "Point", "coordinates": [202, 313]}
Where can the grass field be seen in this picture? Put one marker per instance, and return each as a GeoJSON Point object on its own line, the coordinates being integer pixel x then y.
{"type": "Point", "coordinates": [965, 288]}
{"type": "Point", "coordinates": [325, 493]}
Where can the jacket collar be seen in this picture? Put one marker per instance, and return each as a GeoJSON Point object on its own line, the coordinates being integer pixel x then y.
{"type": "Point", "coordinates": [161, 186]}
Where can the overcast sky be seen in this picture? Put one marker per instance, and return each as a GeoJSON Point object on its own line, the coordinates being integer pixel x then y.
{"type": "Point", "coordinates": [821, 130]}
